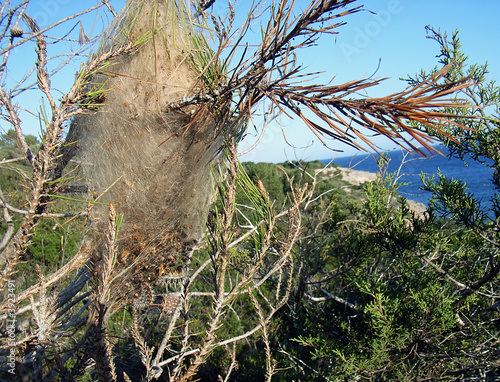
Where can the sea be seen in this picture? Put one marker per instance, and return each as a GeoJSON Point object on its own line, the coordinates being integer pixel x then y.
{"type": "Point", "coordinates": [475, 175]}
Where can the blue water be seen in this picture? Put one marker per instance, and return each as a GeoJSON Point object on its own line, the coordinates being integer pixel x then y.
{"type": "Point", "coordinates": [477, 176]}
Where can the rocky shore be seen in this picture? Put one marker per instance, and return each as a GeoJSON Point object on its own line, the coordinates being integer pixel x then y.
{"type": "Point", "coordinates": [354, 177]}
{"type": "Point", "coordinates": [357, 177]}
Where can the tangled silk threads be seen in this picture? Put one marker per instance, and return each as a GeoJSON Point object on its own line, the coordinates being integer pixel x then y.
{"type": "Point", "coordinates": [152, 163]}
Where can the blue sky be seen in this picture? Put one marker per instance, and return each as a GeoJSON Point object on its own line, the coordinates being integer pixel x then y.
{"type": "Point", "coordinates": [394, 36]}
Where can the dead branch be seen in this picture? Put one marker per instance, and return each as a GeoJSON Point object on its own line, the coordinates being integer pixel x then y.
{"type": "Point", "coordinates": [102, 273]}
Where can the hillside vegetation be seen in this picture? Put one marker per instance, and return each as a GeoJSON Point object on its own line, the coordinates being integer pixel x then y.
{"type": "Point", "coordinates": [379, 291]}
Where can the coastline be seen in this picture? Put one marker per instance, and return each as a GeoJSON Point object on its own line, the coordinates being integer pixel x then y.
{"type": "Point", "coordinates": [358, 177]}
{"type": "Point", "coordinates": [353, 177]}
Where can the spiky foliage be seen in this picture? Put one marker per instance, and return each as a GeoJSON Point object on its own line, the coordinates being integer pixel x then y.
{"type": "Point", "coordinates": [401, 296]}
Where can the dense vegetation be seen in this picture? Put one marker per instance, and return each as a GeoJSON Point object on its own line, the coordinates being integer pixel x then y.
{"type": "Point", "coordinates": [382, 293]}
{"type": "Point", "coordinates": [385, 294]}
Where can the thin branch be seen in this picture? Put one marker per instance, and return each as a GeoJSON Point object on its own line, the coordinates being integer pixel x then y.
{"type": "Point", "coordinates": [10, 224]}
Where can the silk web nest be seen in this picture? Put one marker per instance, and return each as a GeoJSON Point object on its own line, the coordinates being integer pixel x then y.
{"type": "Point", "coordinates": [152, 162]}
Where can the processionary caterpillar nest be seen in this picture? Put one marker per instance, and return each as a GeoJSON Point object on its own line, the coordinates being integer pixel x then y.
{"type": "Point", "coordinates": [151, 162]}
